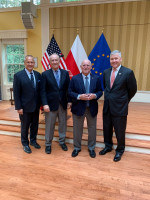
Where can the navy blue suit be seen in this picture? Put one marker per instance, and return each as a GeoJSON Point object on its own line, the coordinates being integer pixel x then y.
{"type": "Point", "coordinates": [53, 95]}
{"type": "Point", "coordinates": [77, 87]}
{"type": "Point", "coordinates": [27, 98]}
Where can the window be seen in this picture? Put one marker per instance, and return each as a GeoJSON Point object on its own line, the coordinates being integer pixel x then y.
{"type": "Point", "coordinates": [14, 60]}
{"type": "Point", "coordinates": [15, 3]}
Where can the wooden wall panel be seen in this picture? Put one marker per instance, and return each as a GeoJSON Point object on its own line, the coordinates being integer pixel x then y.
{"type": "Point", "coordinates": [126, 27]}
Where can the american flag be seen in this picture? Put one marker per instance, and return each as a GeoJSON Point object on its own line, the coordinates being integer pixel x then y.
{"type": "Point", "coordinates": [53, 48]}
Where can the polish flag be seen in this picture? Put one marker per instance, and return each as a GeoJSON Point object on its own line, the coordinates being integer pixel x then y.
{"type": "Point", "coordinates": [75, 57]}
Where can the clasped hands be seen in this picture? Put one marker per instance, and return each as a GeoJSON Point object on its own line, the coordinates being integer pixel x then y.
{"type": "Point", "coordinates": [87, 97]}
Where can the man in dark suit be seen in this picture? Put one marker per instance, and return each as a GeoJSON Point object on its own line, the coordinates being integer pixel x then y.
{"type": "Point", "coordinates": [119, 88]}
{"type": "Point", "coordinates": [26, 88]}
{"type": "Point", "coordinates": [85, 90]}
{"type": "Point", "coordinates": [55, 84]}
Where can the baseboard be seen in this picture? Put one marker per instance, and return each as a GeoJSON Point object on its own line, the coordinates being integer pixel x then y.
{"type": "Point", "coordinates": [141, 96]}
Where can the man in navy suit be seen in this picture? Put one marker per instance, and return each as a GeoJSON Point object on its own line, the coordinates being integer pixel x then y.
{"type": "Point", "coordinates": [26, 88]}
{"type": "Point", "coordinates": [55, 84]}
{"type": "Point", "coordinates": [119, 88]}
{"type": "Point", "coordinates": [85, 90]}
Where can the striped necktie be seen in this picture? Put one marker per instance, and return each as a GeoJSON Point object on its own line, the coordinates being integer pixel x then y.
{"type": "Point", "coordinates": [112, 78]}
{"type": "Point", "coordinates": [32, 80]}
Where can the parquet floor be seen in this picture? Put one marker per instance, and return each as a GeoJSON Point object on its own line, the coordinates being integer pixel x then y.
{"type": "Point", "coordinates": [58, 176]}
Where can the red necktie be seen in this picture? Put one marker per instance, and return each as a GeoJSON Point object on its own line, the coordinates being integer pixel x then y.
{"type": "Point", "coordinates": [112, 78]}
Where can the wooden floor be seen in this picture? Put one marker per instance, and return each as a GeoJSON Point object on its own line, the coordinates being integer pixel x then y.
{"type": "Point", "coordinates": [138, 117]}
{"type": "Point", "coordinates": [58, 176]}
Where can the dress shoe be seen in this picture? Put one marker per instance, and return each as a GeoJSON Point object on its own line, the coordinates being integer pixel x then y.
{"type": "Point", "coordinates": [64, 147]}
{"type": "Point", "coordinates": [36, 145]}
{"type": "Point", "coordinates": [92, 153]}
{"type": "Point", "coordinates": [75, 152]}
{"type": "Point", "coordinates": [117, 156]}
{"type": "Point", "coordinates": [27, 149]}
{"type": "Point", "coordinates": [105, 150]}
{"type": "Point", "coordinates": [48, 149]}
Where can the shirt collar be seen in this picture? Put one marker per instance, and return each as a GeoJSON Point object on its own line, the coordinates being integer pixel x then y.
{"type": "Point", "coordinates": [28, 71]}
{"type": "Point", "coordinates": [117, 69]}
{"type": "Point", "coordinates": [86, 76]}
{"type": "Point", "coordinates": [56, 70]}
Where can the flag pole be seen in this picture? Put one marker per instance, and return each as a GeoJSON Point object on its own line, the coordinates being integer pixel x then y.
{"type": "Point", "coordinates": [77, 31]}
{"type": "Point", "coordinates": [53, 31]}
{"type": "Point", "coordinates": [102, 29]}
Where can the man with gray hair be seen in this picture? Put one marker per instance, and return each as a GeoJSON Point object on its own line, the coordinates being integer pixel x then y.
{"type": "Point", "coordinates": [119, 88]}
{"type": "Point", "coordinates": [54, 97]}
{"type": "Point", "coordinates": [26, 87]}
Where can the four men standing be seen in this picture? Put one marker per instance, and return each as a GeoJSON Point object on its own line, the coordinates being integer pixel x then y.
{"type": "Point", "coordinates": [84, 91]}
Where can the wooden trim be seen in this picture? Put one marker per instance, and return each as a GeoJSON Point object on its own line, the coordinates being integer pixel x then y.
{"type": "Point", "coordinates": [12, 34]}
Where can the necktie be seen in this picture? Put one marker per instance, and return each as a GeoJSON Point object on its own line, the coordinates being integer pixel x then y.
{"type": "Point", "coordinates": [32, 79]}
{"type": "Point", "coordinates": [87, 88]}
{"type": "Point", "coordinates": [112, 78]}
{"type": "Point", "coordinates": [57, 77]}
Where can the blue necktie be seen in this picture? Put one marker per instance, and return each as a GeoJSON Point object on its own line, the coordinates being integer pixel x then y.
{"type": "Point", "coordinates": [32, 80]}
{"type": "Point", "coordinates": [87, 88]}
{"type": "Point", "coordinates": [57, 77]}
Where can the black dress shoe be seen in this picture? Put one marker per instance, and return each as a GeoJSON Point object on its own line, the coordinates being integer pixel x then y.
{"type": "Point", "coordinates": [75, 152]}
{"type": "Point", "coordinates": [92, 153]}
{"type": "Point", "coordinates": [105, 150]}
{"type": "Point", "coordinates": [36, 145]}
{"type": "Point", "coordinates": [117, 156]}
{"type": "Point", "coordinates": [48, 149]}
{"type": "Point", "coordinates": [64, 147]}
{"type": "Point", "coordinates": [27, 149]}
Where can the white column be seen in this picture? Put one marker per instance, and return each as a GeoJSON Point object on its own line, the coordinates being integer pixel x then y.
{"type": "Point", "coordinates": [44, 24]}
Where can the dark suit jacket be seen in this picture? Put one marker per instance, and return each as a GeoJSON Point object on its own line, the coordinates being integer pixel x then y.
{"type": "Point", "coordinates": [123, 89]}
{"type": "Point", "coordinates": [26, 97]}
{"type": "Point", "coordinates": [53, 95]}
{"type": "Point", "coordinates": [77, 87]}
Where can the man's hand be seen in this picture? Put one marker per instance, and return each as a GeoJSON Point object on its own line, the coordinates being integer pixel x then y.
{"type": "Point", "coordinates": [91, 96]}
{"type": "Point", "coordinates": [46, 108]}
{"type": "Point", "coordinates": [69, 105]}
{"type": "Point", "coordinates": [84, 97]}
{"type": "Point", "coordinates": [20, 111]}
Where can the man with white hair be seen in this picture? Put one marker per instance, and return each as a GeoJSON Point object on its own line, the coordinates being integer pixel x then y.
{"type": "Point", "coordinates": [84, 91]}
{"type": "Point", "coordinates": [119, 88]}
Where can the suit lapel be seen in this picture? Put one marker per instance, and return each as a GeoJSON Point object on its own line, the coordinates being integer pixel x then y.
{"type": "Point", "coordinates": [118, 77]}
{"type": "Point", "coordinates": [81, 83]}
{"type": "Point", "coordinates": [62, 78]}
{"type": "Point", "coordinates": [91, 83]}
{"type": "Point", "coordinates": [26, 77]}
{"type": "Point", "coordinates": [108, 77]}
{"type": "Point", "coordinates": [53, 77]}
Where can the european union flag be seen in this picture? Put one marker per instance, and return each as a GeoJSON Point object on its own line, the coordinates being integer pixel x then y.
{"type": "Point", "coordinates": [100, 57]}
